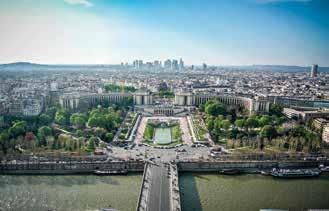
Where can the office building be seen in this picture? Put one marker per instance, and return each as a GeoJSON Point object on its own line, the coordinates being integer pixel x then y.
{"type": "Point", "coordinates": [181, 64]}
{"type": "Point", "coordinates": [174, 65]}
{"type": "Point", "coordinates": [167, 64]}
{"type": "Point", "coordinates": [314, 70]}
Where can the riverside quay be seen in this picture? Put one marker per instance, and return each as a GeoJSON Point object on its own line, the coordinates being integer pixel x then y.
{"type": "Point", "coordinates": [160, 188]}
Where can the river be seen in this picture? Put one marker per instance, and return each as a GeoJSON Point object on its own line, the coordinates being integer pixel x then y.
{"type": "Point", "coordinates": [211, 192]}
{"type": "Point", "coordinates": [207, 192]}
{"type": "Point", "coordinates": [44, 193]}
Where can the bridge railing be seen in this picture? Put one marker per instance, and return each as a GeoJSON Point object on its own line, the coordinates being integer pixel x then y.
{"type": "Point", "coordinates": [140, 196]}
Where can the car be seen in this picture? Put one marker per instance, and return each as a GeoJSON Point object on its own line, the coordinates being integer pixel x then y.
{"type": "Point", "coordinates": [309, 158]}
{"type": "Point", "coordinates": [109, 149]}
{"type": "Point", "coordinates": [321, 158]}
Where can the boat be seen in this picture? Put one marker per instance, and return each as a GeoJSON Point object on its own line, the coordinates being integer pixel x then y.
{"type": "Point", "coordinates": [295, 173]}
{"type": "Point", "coordinates": [324, 168]}
{"type": "Point", "coordinates": [100, 173]}
{"type": "Point", "coordinates": [230, 171]}
{"type": "Point", "coordinates": [266, 173]}
{"type": "Point", "coordinates": [272, 210]}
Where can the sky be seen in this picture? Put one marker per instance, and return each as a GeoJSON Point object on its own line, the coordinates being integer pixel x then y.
{"type": "Point", "coordinates": [216, 32]}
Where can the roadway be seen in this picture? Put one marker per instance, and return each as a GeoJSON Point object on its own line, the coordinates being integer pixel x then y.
{"type": "Point", "coordinates": [159, 194]}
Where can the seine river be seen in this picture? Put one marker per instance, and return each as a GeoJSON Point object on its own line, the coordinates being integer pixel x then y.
{"type": "Point", "coordinates": [44, 193]}
{"type": "Point", "coordinates": [211, 192]}
{"type": "Point", "coordinates": [207, 192]}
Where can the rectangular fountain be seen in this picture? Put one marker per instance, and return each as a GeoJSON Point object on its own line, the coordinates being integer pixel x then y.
{"type": "Point", "coordinates": [162, 135]}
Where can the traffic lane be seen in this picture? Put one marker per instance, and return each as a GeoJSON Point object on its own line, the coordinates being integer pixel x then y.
{"type": "Point", "coordinates": [159, 193]}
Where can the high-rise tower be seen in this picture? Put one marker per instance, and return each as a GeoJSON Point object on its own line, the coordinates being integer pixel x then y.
{"type": "Point", "coordinates": [314, 70]}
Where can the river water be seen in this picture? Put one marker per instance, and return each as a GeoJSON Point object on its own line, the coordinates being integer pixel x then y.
{"type": "Point", "coordinates": [207, 192]}
{"type": "Point", "coordinates": [44, 193]}
{"type": "Point", "coordinates": [211, 192]}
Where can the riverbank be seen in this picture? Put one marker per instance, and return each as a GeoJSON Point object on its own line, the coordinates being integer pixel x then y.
{"type": "Point", "coordinates": [50, 168]}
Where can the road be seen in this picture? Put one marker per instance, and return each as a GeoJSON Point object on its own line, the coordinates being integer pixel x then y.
{"type": "Point", "coordinates": [159, 155]}
{"type": "Point", "coordinates": [159, 196]}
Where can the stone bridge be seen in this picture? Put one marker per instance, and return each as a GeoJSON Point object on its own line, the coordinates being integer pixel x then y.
{"type": "Point", "coordinates": [159, 189]}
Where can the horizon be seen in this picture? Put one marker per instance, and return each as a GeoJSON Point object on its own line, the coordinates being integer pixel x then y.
{"type": "Point", "coordinates": [129, 63]}
{"type": "Point", "coordinates": [225, 33]}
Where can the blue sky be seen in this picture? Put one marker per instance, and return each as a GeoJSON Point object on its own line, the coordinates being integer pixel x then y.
{"type": "Point", "coordinates": [218, 32]}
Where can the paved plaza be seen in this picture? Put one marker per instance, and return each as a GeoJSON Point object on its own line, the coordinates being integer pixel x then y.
{"type": "Point", "coordinates": [186, 136]}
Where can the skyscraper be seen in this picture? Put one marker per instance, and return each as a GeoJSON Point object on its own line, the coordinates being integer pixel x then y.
{"type": "Point", "coordinates": [135, 64]}
{"type": "Point", "coordinates": [140, 64]}
{"type": "Point", "coordinates": [157, 64]}
{"type": "Point", "coordinates": [181, 64]}
{"type": "Point", "coordinates": [314, 70]}
{"type": "Point", "coordinates": [174, 65]}
{"type": "Point", "coordinates": [167, 64]}
{"type": "Point", "coordinates": [204, 66]}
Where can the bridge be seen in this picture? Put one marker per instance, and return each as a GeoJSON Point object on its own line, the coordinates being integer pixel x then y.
{"type": "Point", "coordinates": [159, 189]}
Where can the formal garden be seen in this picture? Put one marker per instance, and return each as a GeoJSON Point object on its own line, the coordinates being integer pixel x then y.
{"type": "Point", "coordinates": [199, 127]}
{"type": "Point", "coordinates": [271, 132]}
{"type": "Point", "coordinates": [127, 126]}
{"type": "Point", "coordinates": [162, 133]}
{"type": "Point", "coordinates": [61, 131]}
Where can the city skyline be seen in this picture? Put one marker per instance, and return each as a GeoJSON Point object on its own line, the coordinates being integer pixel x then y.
{"type": "Point", "coordinates": [278, 32]}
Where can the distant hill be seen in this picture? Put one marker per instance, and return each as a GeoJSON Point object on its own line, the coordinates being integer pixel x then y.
{"type": "Point", "coordinates": [27, 66]}
{"type": "Point", "coordinates": [279, 68]}
{"type": "Point", "coordinates": [19, 64]}
{"type": "Point", "coordinates": [288, 68]}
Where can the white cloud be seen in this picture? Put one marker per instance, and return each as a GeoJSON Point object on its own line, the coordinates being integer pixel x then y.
{"type": "Point", "coordinates": [85, 3]}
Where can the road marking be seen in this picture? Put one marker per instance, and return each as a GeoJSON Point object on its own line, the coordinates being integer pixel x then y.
{"type": "Point", "coordinates": [160, 189]}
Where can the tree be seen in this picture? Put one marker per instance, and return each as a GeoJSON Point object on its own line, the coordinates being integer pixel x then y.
{"type": "Point", "coordinates": [4, 141]}
{"type": "Point", "coordinates": [62, 117]}
{"type": "Point", "coordinates": [215, 109]}
{"type": "Point", "coordinates": [240, 123]}
{"type": "Point", "coordinates": [233, 133]}
{"type": "Point", "coordinates": [109, 137]}
{"type": "Point", "coordinates": [79, 120]}
{"type": "Point", "coordinates": [225, 124]}
{"type": "Point", "coordinates": [251, 122]}
{"type": "Point", "coordinates": [268, 131]}
{"type": "Point", "coordinates": [29, 136]}
{"type": "Point", "coordinates": [92, 143]}
{"type": "Point", "coordinates": [79, 133]}
{"type": "Point", "coordinates": [276, 109]}
{"type": "Point", "coordinates": [44, 119]}
{"type": "Point", "coordinates": [99, 132]}
{"type": "Point", "coordinates": [43, 132]}
{"type": "Point", "coordinates": [97, 121]}
{"type": "Point", "coordinates": [280, 120]}
{"type": "Point", "coordinates": [280, 130]}
{"type": "Point", "coordinates": [61, 120]}
{"type": "Point", "coordinates": [51, 112]}
{"type": "Point", "coordinates": [18, 128]}
{"type": "Point", "coordinates": [112, 120]}
{"type": "Point", "coordinates": [210, 124]}
{"type": "Point", "coordinates": [264, 120]}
